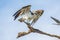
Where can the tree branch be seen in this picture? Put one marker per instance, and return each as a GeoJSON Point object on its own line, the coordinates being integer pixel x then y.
{"type": "Point", "coordinates": [20, 34]}
{"type": "Point", "coordinates": [31, 29]}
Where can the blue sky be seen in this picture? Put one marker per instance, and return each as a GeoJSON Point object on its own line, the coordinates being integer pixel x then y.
{"type": "Point", "coordinates": [10, 28]}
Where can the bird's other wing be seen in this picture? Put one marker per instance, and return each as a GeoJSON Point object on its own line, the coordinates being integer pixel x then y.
{"type": "Point", "coordinates": [22, 11]}
{"type": "Point", "coordinates": [34, 20]}
{"type": "Point", "coordinates": [56, 20]}
{"type": "Point", "coordinates": [37, 15]}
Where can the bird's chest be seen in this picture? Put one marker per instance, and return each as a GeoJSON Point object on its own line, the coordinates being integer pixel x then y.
{"type": "Point", "coordinates": [27, 16]}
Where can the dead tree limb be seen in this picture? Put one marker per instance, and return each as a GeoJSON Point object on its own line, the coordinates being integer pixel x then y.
{"type": "Point", "coordinates": [20, 34]}
{"type": "Point", "coordinates": [31, 29]}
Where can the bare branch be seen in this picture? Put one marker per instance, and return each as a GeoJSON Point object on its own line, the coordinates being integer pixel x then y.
{"type": "Point", "coordinates": [20, 34]}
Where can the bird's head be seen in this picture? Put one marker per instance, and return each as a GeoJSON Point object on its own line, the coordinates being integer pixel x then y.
{"type": "Point", "coordinates": [39, 12]}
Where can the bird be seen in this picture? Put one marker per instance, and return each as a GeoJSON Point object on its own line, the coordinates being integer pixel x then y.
{"type": "Point", "coordinates": [34, 18]}
{"type": "Point", "coordinates": [56, 20]}
{"type": "Point", "coordinates": [28, 16]}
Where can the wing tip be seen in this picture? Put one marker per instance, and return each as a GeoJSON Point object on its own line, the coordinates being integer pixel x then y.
{"type": "Point", "coordinates": [51, 17]}
{"type": "Point", "coordinates": [28, 5]}
{"type": "Point", "coordinates": [14, 19]}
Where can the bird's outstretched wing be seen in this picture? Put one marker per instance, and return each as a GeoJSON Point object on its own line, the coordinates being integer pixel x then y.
{"type": "Point", "coordinates": [34, 20]}
{"type": "Point", "coordinates": [56, 20]}
{"type": "Point", "coordinates": [36, 17]}
{"type": "Point", "coordinates": [22, 11]}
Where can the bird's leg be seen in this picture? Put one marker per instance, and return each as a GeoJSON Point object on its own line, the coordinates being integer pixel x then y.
{"type": "Point", "coordinates": [26, 23]}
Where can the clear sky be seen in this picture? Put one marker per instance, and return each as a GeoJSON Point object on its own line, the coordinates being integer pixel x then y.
{"type": "Point", "coordinates": [10, 28]}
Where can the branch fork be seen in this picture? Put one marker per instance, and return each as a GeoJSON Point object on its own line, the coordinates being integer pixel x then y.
{"type": "Point", "coordinates": [31, 29]}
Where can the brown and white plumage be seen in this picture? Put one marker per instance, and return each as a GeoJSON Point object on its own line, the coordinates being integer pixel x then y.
{"type": "Point", "coordinates": [33, 18]}
{"type": "Point", "coordinates": [22, 11]}
{"type": "Point", "coordinates": [37, 13]}
{"type": "Point", "coordinates": [28, 16]}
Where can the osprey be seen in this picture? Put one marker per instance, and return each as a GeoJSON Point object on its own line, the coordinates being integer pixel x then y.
{"type": "Point", "coordinates": [56, 20]}
{"type": "Point", "coordinates": [27, 15]}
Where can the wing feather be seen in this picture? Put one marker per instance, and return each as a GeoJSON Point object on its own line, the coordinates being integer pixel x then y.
{"type": "Point", "coordinates": [36, 17]}
{"type": "Point", "coordinates": [22, 11]}
{"type": "Point", "coordinates": [16, 13]}
{"type": "Point", "coordinates": [56, 20]}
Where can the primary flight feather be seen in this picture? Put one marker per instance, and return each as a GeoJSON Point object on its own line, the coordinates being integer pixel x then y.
{"type": "Point", "coordinates": [22, 11]}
